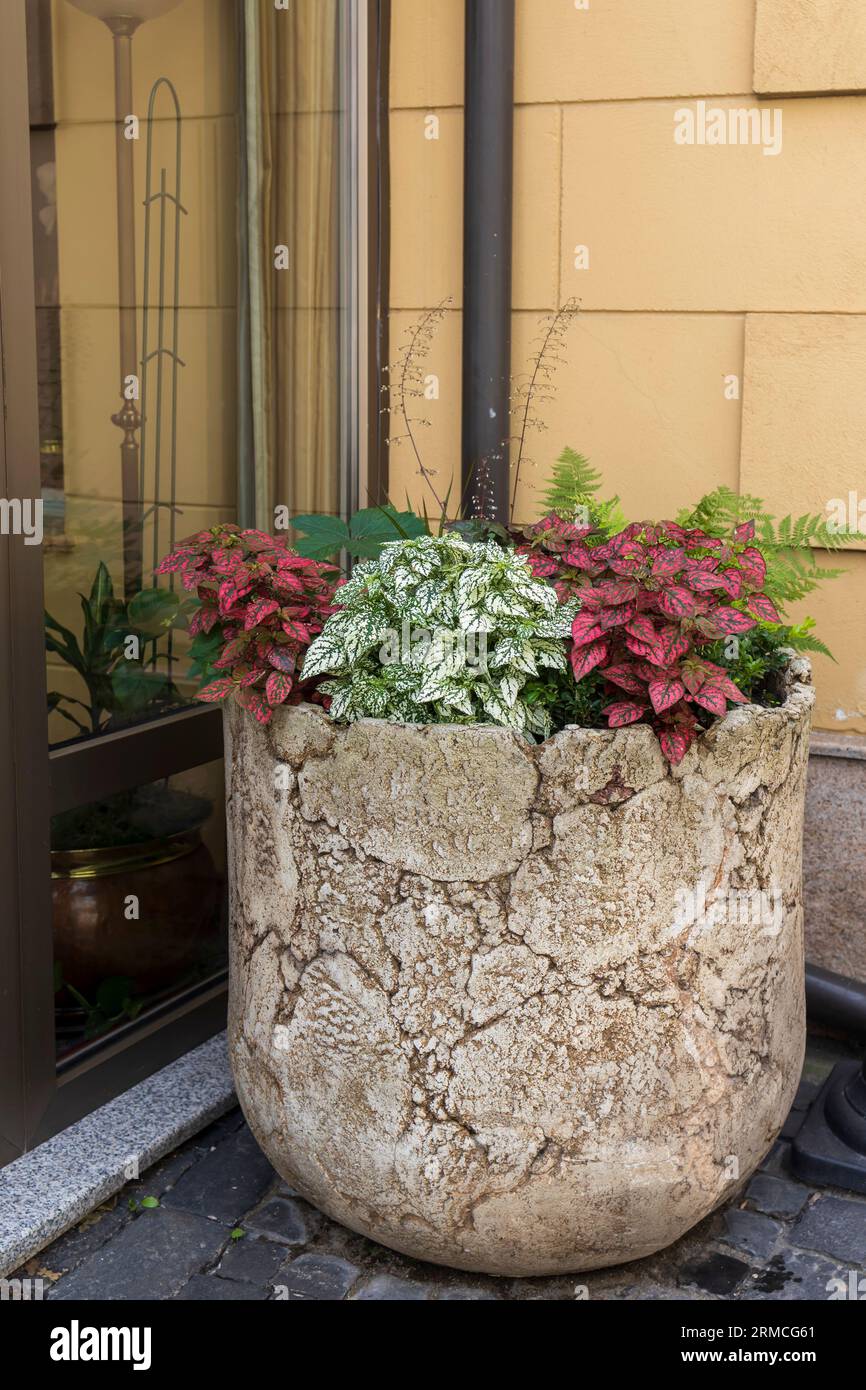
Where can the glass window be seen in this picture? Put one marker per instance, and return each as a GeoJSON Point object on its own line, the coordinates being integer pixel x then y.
{"type": "Point", "coordinates": [193, 180]}
{"type": "Point", "coordinates": [188, 175]}
{"type": "Point", "coordinates": [134, 159]}
{"type": "Point", "coordinates": [138, 902]}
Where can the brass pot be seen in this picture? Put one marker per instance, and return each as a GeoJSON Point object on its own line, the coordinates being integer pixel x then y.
{"type": "Point", "coordinates": [96, 932]}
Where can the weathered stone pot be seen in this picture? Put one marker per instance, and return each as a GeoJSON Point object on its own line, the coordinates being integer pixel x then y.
{"type": "Point", "coordinates": [499, 1006]}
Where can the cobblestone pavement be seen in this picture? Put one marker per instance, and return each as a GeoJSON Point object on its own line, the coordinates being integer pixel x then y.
{"type": "Point", "coordinates": [213, 1221]}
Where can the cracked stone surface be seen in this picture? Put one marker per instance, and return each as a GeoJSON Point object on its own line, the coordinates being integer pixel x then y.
{"type": "Point", "coordinates": [471, 1014]}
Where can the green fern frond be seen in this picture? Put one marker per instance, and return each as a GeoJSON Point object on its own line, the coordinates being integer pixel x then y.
{"type": "Point", "coordinates": [789, 546]}
{"type": "Point", "coordinates": [811, 644]}
{"type": "Point", "coordinates": [573, 487]}
{"type": "Point", "coordinates": [720, 510]}
{"type": "Point", "coordinates": [800, 638]}
{"type": "Point", "coordinates": [573, 481]}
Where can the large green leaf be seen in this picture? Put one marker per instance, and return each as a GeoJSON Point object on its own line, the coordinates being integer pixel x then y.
{"type": "Point", "coordinates": [204, 649]}
{"type": "Point", "coordinates": [101, 590]}
{"type": "Point", "coordinates": [325, 536]}
{"type": "Point", "coordinates": [98, 610]}
{"type": "Point", "coordinates": [134, 687]}
{"type": "Point", "coordinates": [67, 649]}
{"type": "Point", "coordinates": [153, 611]}
{"type": "Point", "coordinates": [385, 524]}
{"type": "Point", "coordinates": [366, 533]}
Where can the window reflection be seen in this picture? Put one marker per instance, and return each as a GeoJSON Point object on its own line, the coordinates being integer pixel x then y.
{"type": "Point", "coordinates": [138, 902]}
{"type": "Point", "coordinates": [134, 142]}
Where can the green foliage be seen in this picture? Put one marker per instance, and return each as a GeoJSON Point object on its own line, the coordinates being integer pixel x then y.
{"type": "Point", "coordinates": [114, 1002]}
{"type": "Point", "coordinates": [439, 630]}
{"type": "Point", "coordinates": [800, 638]}
{"type": "Point", "coordinates": [568, 701]}
{"type": "Point", "coordinates": [119, 687]}
{"type": "Point", "coordinates": [573, 490]}
{"type": "Point", "coordinates": [362, 538]}
{"type": "Point", "coordinates": [788, 546]}
{"type": "Point", "coordinates": [146, 1204]}
{"type": "Point", "coordinates": [762, 655]}
{"type": "Point", "coordinates": [760, 658]}
{"type": "Point", "coordinates": [476, 529]}
{"type": "Point", "coordinates": [204, 649]}
{"type": "Point", "coordinates": [573, 481]}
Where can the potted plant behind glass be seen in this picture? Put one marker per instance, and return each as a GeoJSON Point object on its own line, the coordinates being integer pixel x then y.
{"type": "Point", "coordinates": [118, 657]}
{"type": "Point", "coordinates": [145, 842]}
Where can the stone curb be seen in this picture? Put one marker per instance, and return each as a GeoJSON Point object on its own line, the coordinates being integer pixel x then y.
{"type": "Point", "coordinates": [46, 1191]}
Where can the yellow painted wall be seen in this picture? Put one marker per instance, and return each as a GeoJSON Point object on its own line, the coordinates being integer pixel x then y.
{"type": "Point", "coordinates": [706, 262]}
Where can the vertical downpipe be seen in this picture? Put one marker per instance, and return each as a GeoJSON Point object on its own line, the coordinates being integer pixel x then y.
{"type": "Point", "coordinates": [487, 202]}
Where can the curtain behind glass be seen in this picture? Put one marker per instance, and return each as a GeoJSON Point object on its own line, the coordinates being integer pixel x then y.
{"type": "Point", "coordinates": [293, 143]}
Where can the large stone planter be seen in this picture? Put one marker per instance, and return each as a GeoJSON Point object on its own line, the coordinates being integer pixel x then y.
{"type": "Point", "coordinates": [481, 1009]}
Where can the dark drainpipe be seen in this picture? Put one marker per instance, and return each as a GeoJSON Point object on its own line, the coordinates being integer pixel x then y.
{"type": "Point", "coordinates": [487, 186]}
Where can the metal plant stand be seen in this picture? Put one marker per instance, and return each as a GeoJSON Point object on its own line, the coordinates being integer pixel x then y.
{"type": "Point", "coordinates": [159, 422]}
{"type": "Point", "coordinates": [123, 18]}
{"type": "Point", "coordinates": [127, 418]}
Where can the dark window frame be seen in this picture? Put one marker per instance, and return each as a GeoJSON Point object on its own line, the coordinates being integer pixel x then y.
{"type": "Point", "coordinates": [37, 1097]}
